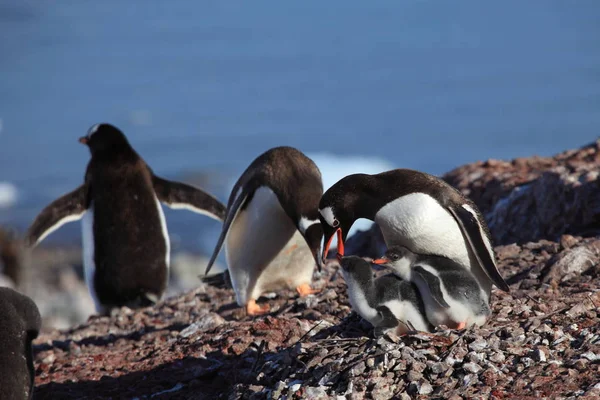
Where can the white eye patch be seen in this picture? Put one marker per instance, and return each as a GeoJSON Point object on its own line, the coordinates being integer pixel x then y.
{"type": "Point", "coordinates": [305, 223]}
{"type": "Point", "coordinates": [327, 214]}
{"type": "Point", "coordinates": [93, 130]}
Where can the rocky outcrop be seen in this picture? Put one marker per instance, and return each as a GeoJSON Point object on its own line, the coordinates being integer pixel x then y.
{"type": "Point", "coordinates": [542, 341]}
{"type": "Point", "coordinates": [529, 199]}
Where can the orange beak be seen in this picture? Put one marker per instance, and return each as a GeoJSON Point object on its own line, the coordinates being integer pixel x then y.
{"type": "Point", "coordinates": [381, 261]}
{"type": "Point", "coordinates": [339, 257]}
{"type": "Point", "coordinates": [340, 248]}
{"type": "Point", "coordinates": [83, 140]}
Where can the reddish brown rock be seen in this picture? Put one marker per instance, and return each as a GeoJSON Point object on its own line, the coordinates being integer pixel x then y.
{"type": "Point", "coordinates": [536, 198]}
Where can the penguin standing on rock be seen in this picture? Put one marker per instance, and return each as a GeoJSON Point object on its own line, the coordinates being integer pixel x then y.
{"type": "Point", "coordinates": [20, 323]}
{"type": "Point", "coordinates": [415, 210]}
{"type": "Point", "coordinates": [450, 292]}
{"type": "Point", "coordinates": [125, 238]}
{"type": "Point", "coordinates": [272, 233]}
{"type": "Point", "coordinates": [386, 302]}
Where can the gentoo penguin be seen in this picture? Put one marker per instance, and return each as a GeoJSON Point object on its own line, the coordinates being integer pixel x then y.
{"type": "Point", "coordinates": [450, 292]}
{"type": "Point", "coordinates": [386, 302]}
{"type": "Point", "coordinates": [272, 232]}
{"type": "Point", "coordinates": [20, 323]}
{"type": "Point", "coordinates": [125, 238]}
{"type": "Point", "coordinates": [415, 210]}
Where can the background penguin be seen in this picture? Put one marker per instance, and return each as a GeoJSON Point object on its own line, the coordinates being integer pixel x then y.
{"type": "Point", "coordinates": [125, 238]}
{"type": "Point", "coordinates": [415, 210]}
{"type": "Point", "coordinates": [386, 302]}
{"type": "Point", "coordinates": [20, 323]}
{"type": "Point", "coordinates": [272, 232]}
{"type": "Point", "coordinates": [450, 292]}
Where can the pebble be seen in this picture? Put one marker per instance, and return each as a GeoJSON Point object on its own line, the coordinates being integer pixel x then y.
{"type": "Point", "coordinates": [426, 388]}
{"type": "Point", "coordinates": [538, 355]}
{"type": "Point", "coordinates": [591, 356]}
{"type": "Point", "coordinates": [528, 362]}
{"type": "Point", "coordinates": [278, 390]}
{"type": "Point", "coordinates": [478, 345]}
{"type": "Point", "coordinates": [413, 376]}
{"type": "Point", "coordinates": [497, 357]}
{"type": "Point", "coordinates": [472, 368]}
{"type": "Point", "coordinates": [316, 393]}
{"type": "Point", "coordinates": [439, 367]}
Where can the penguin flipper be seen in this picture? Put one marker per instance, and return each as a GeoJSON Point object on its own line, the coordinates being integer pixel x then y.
{"type": "Point", "coordinates": [233, 209]}
{"type": "Point", "coordinates": [473, 231]}
{"type": "Point", "coordinates": [433, 283]}
{"type": "Point", "coordinates": [387, 317]}
{"type": "Point", "coordinates": [177, 195]}
{"type": "Point", "coordinates": [67, 208]}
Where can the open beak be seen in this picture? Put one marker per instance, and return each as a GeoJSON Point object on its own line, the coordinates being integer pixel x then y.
{"type": "Point", "coordinates": [339, 257]}
{"type": "Point", "coordinates": [83, 140]}
{"type": "Point", "coordinates": [340, 248]}
{"type": "Point", "coordinates": [381, 261]}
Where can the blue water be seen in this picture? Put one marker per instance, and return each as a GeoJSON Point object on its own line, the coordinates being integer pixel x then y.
{"type": "Point", "coordinates": [207, 86]}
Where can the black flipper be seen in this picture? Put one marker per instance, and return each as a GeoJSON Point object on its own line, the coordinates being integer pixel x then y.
{"type": "Point", "coordinates": [178, 195]}
{"type": "Point", "coordinates": [388, 319]}
{"type": "Point", "coordinates": [233, 209]}
{"type": "Point", "coordinates": [473, 232]}
{"type": "Point", "coordinates": [67, 208]}
{"type": "Point", "coordinates": [433, 282]}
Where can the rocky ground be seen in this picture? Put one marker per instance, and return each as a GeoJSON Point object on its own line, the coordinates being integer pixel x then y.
{"type": "Point", "coordinates": [543, 340]}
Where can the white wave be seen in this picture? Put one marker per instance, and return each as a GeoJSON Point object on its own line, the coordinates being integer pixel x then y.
{"type": "Point", "coordinates": [8, 194]}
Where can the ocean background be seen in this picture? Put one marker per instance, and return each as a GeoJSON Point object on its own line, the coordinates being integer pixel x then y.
{"type": "Point", "coordinates": [202, 88]}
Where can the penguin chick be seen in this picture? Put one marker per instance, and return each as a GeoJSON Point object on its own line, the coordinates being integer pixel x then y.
{"type": "Point", "coordinates": [20, 323]}
{"type": "Point", "coordinates": [450, 292]}
{"type": "Point", "coordinates": [386, 302]}
{"type": "Point", "coordinates": [272, 233]}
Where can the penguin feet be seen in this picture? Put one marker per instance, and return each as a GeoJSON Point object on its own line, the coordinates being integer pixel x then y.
{"type": "Point", "coordinates": [254, 309]}
{"type": "Point", "coordinates": [461, 325]}
{"type": "Point", "coordinates": [305, 290]}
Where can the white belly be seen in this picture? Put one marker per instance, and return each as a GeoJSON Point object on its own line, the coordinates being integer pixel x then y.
{"type": "Point", "coordinates": [418, 222]}
{"type": "Point", "coordinates": [89, 266]}
{"type": "Point", "coordinates": [264, 250]}
{"type": "Point", "coordinates": [407, 313]}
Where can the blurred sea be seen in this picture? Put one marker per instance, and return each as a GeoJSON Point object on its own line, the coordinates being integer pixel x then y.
{"type": "Point", "coordinates": [202, 88]}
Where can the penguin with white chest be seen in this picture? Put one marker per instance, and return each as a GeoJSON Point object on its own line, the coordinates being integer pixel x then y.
{"type": "Point", "coordinates": [387, 301]}
{"type": "Point", "coordinates": [125, 238]}
{"type": "Point", "coordinates": [415, 210]}
{"type": "Point", "coordinates": [450, 292]}
{"type": "Point", "coordinates": [272, 232]}
{"type": "Point", "coordinates": [20, 323]}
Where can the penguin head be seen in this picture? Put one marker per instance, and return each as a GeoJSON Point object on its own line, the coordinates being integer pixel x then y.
{"type": "Point", "coordinates": [392, 255]}
{"type": "Point", "coordinates": [398, 259]}
{"type": "Point", "coordinates": [337, 212]}
{"type": "Point", "coordinates": [105, 138]}
{"type": "Point", "coordinates": [356, 268]}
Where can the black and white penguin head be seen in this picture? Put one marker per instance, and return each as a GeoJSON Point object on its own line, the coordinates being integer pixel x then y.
{"type": "Point", "coordinates": [337, 210]}
{"type": "Point", "coordinates": [393, 254]}
{"type": "Point", "coordinates": [356, 268]}
{"type": "Point", "coordinates": [399, 259]}
{"type": "Point", "coordinates": [104, 138]}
